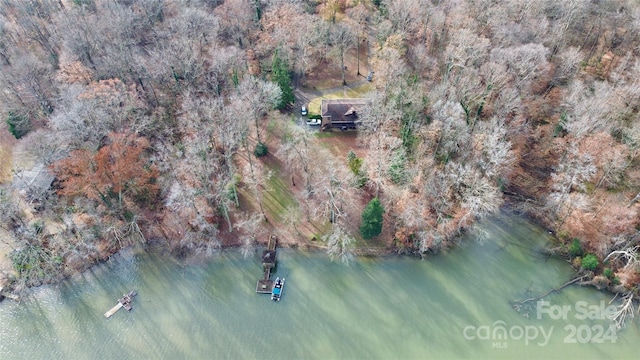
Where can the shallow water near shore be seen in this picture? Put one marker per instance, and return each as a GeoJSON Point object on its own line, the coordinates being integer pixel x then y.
{"type": "Point", "coordinates": [453, 305]}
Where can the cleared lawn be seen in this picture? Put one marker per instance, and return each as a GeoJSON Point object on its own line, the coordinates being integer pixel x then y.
{"type": "Point", "coordinates": [347, 92]}
{"type": "Point", "coordinates": [277, 197]}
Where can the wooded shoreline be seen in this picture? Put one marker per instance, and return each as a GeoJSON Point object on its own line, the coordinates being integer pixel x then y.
{"type": "Point", "coordinates": [125, 123]}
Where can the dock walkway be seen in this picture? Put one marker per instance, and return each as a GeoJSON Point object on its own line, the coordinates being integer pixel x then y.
{"type": "Point", "coordinates": [113, 310]}
{"type": "Point", "coordinates": [265, 284]}
{"type": "Point", "coordinates": [123, 302]}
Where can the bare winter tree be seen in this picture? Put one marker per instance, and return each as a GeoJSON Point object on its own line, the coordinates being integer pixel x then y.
{"type": "Point", "coordinates": [379, 112]}
{"type": "Point", "coordinates": [10, 214]}
{"type": "Point", "coordinates": [466, 49]}
{"type": "Point", "coordinates": [524, 61]}
{"type": "Point", "coordinates": [35, 23]}
{"type": "Point", "coordinates": [308, 48]}
{"type": "Point", "coordinates": [339, 244]}
{"type": "Point", "coordinates": [570, 59]}
{"type": "Point", "coordinates": [333, 191]}
{"type": "Point", "coordinates": [258, 96]}
{"type": "Point", "coordinates": [596, 107]}
{"type": "Point", "coordinates": [477, 195]}
{"type": "Point", "coordinates": [223, 61]}
{"type": "Point", "coordinates": [218, 118]}
{"type": "Point", "coordinates": [29, 91]}
{"type": "Point", "coordinates": [453, 131]}
{"type": "Point", "coordinates": [342, 39]}
{"type": "Point", "coordinates": [236, 21]}
{"type": "Point", "coordinates": [402, 15]}
{"type": "Point", "coordinates": [297, 152]}
{"type": "Point", "coordinates": [190, 36]}
{"type": "Point", "coordinates": [572, 174]}
{"type": "Point", "coordinates": [213, 137]}
{"type": "Point", "coordinates": [6, 42]}
{"type": "Point", "coordinates": [254, 179]}
{"type": "Point", "coordinates": [362, 16]}
{"type": "Point", "coordinates": [88, 113]}
{"type": "Point", "coordinates": [250, 226]}
{"type": "Point", "coordinates": [611, 159]}
{"type": "Point", "coordinates": [84, 35]}
{"type": "Point", "coordinates": [568, 17]}
{"type": "Point", "coordinates": [497, 157]}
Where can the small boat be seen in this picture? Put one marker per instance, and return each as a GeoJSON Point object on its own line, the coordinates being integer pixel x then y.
{"type": "Point", "coordinates": [276, 292]}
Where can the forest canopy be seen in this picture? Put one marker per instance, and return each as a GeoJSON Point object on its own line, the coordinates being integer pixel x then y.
{"type": "Point", "coordinates": [149, 115]}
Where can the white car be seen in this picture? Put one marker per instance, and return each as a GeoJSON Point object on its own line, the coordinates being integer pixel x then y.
{"type": "Point", "coordinates": [314, 122]}
{"type": "Point", "coordinates": [303, 111]}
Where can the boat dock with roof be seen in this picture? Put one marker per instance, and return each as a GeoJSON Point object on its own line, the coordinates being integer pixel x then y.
{"type": "Point", "coordinates": [265, 285]}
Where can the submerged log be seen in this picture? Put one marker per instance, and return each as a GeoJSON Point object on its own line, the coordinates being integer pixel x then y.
{"type": "Point", "coordinates": [529, 300]}
{"type": "Point", "coordinates": [8, 295]}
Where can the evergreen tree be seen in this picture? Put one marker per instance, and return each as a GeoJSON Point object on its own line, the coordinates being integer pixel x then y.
{"type": "Point", "coordinates": [280, 75]}
{"type": "Point", "coordinates": [19, 126]}
{"type": "Point", "coordinates": [397, 169]}
{"type": "Point", "coordinates": [355, 164]}
{"type": "Point", "coordinates": [372, 219]}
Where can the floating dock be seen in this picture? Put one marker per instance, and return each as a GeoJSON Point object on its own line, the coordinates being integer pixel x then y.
{"type": "Point", "coordinates": [123, 302]}
{"type": "Point", "coordinates": [265, 285]}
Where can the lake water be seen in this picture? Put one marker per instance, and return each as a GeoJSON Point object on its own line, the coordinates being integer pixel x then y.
{"type": "Point", "coordinates": [448, 306]}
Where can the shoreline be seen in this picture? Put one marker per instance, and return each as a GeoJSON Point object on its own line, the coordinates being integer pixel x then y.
{"type": "Point", "coordinates": [162, 247]}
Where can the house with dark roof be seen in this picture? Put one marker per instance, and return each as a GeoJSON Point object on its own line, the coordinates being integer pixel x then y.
{"type": "Point", "coordinates": [343, 114]}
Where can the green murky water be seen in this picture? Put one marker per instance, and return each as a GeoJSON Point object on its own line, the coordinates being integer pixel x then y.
{"type": "Point", "coordinates": [455, 305]}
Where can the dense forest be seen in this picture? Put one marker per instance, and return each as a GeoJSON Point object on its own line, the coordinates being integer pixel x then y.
{"type": "Point", "coordinates": [176, 122]}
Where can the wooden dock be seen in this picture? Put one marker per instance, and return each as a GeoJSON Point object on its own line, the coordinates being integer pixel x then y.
{"type": "Point", "coordinates": [123, 302]}
{"type": "Point", "coordinates": [265, 284]}
{"type": "Point", "coordinates": [113, 310]}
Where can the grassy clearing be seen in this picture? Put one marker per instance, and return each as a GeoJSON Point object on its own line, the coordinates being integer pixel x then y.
{"type": "Point", "coordinates": [320, 228]}
{"type": "Point", "coordinates": [356, 92]}
{"type": "Point", "coordinates": [335, 134]}
{"type": "Point", "coordinates": [276, 196]}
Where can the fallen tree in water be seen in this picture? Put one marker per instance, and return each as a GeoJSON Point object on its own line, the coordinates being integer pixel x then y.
{"type": "Point", "coordinates": [624, 311]}
{"type": "Point", "coordinates": [517, 304]}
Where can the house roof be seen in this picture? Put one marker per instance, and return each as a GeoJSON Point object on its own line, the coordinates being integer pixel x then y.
{"type": "Point", "coordinates": [269, 257]}
{"type": "Point", "coordinates": [342, 109]}
{"type": "Point", "coordinates": [36, 179]}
